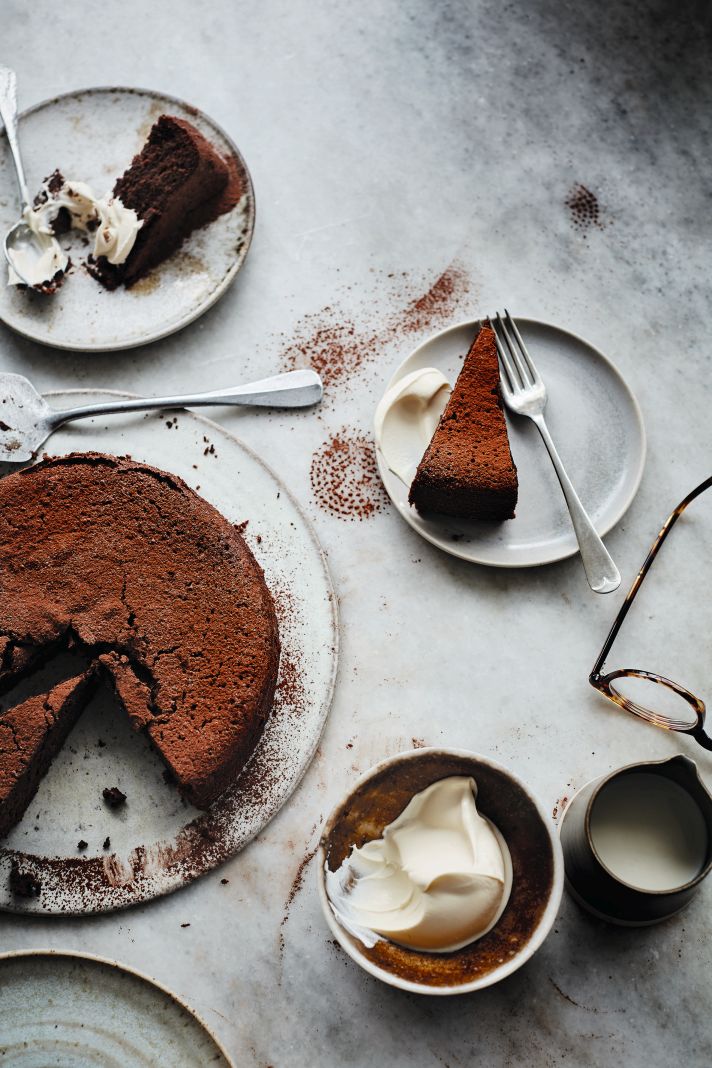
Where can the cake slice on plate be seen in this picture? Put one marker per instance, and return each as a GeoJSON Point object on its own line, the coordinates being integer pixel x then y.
{"type": "Point", "coordinates": [176, 184]}
{"type": "Point", "coordinates": [467, 470]}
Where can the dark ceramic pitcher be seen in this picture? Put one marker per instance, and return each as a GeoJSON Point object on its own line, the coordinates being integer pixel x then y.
{"type": "Point", "coordinates": [594, 885]}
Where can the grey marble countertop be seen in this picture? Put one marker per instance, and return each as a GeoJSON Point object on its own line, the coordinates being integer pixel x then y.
{"type": "Point", "coordinates": [387, 140]}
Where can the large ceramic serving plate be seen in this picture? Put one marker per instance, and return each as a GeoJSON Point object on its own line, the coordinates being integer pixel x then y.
{"type": "Point", "coordinates": [70, 1010]}
{"type": "Point", "coordinates": [92, 135]}
{"type": "Point", "coordinates": [157, 843]}
{"type": "Point", "coordinates": [596, 424]}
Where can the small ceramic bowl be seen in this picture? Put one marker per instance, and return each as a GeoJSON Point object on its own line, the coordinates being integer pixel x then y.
{"type": "Point", "coordinates": [537, 869]}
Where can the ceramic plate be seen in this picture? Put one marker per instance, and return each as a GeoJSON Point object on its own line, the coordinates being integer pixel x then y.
{"type": "Point", "coordinates": [157, 842]}
{"type": "Point", "coordinates": [74, 1011]}
{"type": "Point", "coordinates": [92, 135]}
{"type": "Point", "coordinates": [598, 429]}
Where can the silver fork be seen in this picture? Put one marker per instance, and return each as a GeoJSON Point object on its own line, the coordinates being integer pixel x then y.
{"type": "Point", "coordinates": [524, 392]}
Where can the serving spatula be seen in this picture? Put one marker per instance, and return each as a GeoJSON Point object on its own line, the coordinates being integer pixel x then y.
{"type": "Point", "coordinates": [26, 419]}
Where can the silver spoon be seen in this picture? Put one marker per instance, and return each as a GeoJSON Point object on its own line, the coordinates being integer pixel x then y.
{"type": "Point", "coordinates": [19, 239]}
{"type": "Point", "coordinates": [26, 419]}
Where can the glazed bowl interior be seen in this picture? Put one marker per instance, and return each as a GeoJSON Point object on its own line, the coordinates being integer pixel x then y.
{"type": "Point", "coordinates": [537, 869]}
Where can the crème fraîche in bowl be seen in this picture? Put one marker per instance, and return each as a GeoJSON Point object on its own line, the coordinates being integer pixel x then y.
{"type": "Point", "coordinates": [440, 872]}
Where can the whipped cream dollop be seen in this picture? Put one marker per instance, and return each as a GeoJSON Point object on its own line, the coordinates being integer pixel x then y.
{"type": "Point", "coordinates": [113, 224]}
{"type": "Point", "coordinates": [438, 879]}
{"type": "Point", "coordinates": [115, 235]}
{"type": "Point", "coordinates": [406, 419]}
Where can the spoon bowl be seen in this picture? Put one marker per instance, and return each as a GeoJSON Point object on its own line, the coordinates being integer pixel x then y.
{"type": "Point", "coordinates": [30, 257]}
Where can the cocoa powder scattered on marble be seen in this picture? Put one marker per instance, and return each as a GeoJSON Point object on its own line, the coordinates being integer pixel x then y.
{"type": "Point", "coordinates": [297, 882]}
{"type": "Point", "coordinates": [584, 209]}
{"type": "Point", "coordinates": [445, 295]}
{"type": "Point", "coordinates": [344, 477]}
{"type": "Point", "coordinates": [335, 346]}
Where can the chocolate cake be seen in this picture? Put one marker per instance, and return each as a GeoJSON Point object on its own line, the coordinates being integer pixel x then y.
{"type": "Point", "coordinates": [127, 564]}
{"type": "Point", "coordinates": [175, 184]}
{"type": "Point", "coordinates": [467, 470]}
{"type": "Point", "coordinates": [31, 735]}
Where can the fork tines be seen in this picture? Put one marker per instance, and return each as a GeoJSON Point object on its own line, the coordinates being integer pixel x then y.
{"type": "Point", "coordinates": [516, 363]}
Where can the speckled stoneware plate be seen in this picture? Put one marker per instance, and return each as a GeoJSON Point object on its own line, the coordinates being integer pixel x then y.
{"type": "Point", "coordinates": [92, 135]}
{"type": "Point", "coordinates": [598, 428]}
{"type": "Point", "coordinates": [71, 1010]}
{"type": "Point", "coordinates": [158, 843]}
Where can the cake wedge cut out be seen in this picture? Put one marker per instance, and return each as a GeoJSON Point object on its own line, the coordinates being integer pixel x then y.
{"type": "Point", "coordinates": [467, 470]}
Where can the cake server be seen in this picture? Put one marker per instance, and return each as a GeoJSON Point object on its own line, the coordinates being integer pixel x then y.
{"type": "Point", "coordinates": [524, 392]}
{"type": "Point", "coordinates": [26, 419]}
{"type": "Point", "coordinates": [21, 244]}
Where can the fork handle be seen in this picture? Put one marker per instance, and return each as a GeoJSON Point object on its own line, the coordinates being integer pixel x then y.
{"type": "Point", "coordinates": [602, 574]}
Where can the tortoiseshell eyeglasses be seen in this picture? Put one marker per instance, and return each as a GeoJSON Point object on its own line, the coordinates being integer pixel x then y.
{"type": "Point", "coordinates": [653, 697]}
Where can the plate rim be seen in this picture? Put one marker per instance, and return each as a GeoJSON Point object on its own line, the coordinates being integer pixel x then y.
{"type": "Point", "coordinates": [62, 913]}
{"type": "Point", "coordinates": [43, 952]}
{"type": "Point", "coordinates": [230, 275]}
{"type": "Point", "coordinates": [558, 555]}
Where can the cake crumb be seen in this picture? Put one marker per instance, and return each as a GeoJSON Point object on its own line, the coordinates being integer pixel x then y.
{"type": "Point", "coordinates": [82, 845]}
{"type": "Point", "coordinates": [113, 796]}
{"type": "Point", "coordinates": [107, 842]}
{"type": "Point", "coordinates": [23, 883]}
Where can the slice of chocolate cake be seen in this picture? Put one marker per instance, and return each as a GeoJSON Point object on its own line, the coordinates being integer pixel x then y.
{"type": "Point", "coordinates": [175, 184]}
{"type": "Point", "coordinates": [31, 734]}
{"type": "Point", "coordinates": [467, 470]}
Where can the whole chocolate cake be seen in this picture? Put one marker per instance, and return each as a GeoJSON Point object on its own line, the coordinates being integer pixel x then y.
{"type": "Point", "coordinates": [467, 470]}
{"type": "Point", "coordinates": [126, 563]}
{"type": "Point", "coordinates": [175, 184]}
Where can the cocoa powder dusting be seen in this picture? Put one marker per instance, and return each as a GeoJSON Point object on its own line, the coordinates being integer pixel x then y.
{"type": "Point", "coordinates": [344, 477]}
{"type": "Point", "coordinates": [297, 882]}
{"type": "Point", "coordinates": [334, 346]}
{"type": "Point", "coordinates": [584, 208]}
{"type": "Point", "coordinates": [449, 291]}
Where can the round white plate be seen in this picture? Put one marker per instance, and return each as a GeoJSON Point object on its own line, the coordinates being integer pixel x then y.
{"type": "Point", "coordinates": [92, 135]}
{"type": "Point", "coordinates": [598, 429]}
{"type": "Point", "coordinates": [157, 842]}
{"type": "Point", "coordinates": [71, 1010]}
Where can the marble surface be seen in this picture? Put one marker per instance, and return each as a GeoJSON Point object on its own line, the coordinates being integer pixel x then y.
{"type": "Point", "coordinates": [387, 138]}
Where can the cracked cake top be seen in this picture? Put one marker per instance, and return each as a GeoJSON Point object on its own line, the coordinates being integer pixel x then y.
{"type": "Point", "coordinates": [128, 564]}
